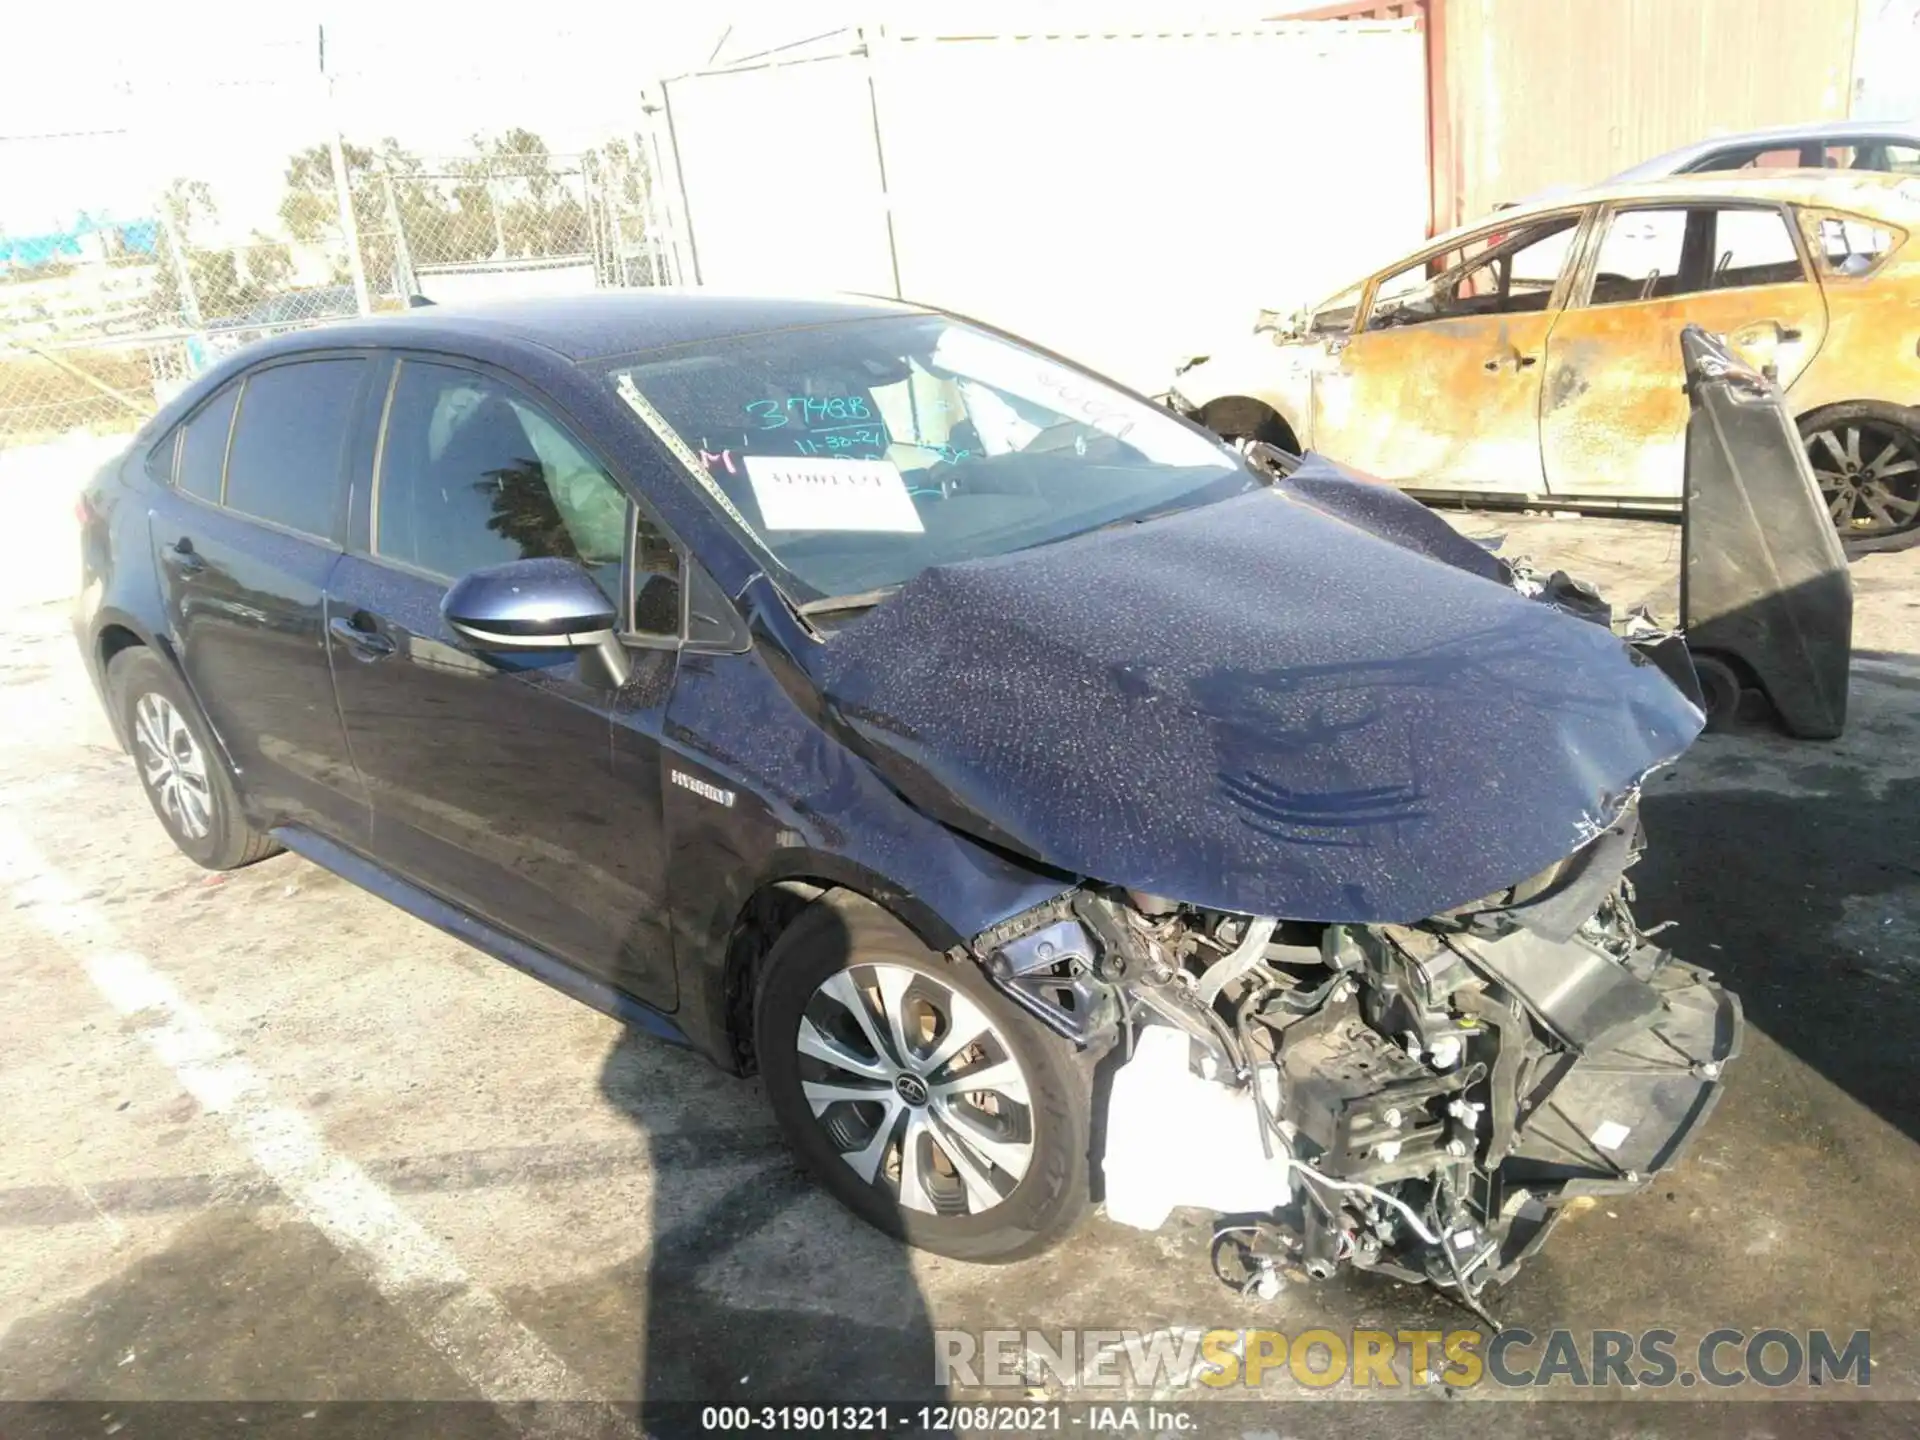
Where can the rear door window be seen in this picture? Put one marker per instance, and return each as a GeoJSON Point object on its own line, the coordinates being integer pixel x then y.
{"type": "Point", "coordinates": [1640, 257]}
{"type": "Point", "coordinates": [1752, 247]}
{"type": "Point", "coordinates": [285, 463]}
{"type": "Point", "coordinates": [203, 446]}
{"type": "Point", "coordinates": [1658, 254]}
{"type": "Point", "coordinates": [473, 473]}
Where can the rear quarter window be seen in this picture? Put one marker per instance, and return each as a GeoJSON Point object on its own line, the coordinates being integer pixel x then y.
{"type": "Point", "coordinates": [1849, 246]}
{"type": "Point", "coordinates": [203, 446]}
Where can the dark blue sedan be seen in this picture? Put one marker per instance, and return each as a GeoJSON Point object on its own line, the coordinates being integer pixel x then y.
{"type": "Point", "coordinates": [890, 708]}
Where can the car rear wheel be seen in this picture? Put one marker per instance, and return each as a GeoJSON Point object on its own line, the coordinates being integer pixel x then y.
{"type": "Point", "coordinates": [1867, 460]}
{"type": "Point", "coordinates": [916, 1094]}
{"type": "Point", "coordinates": [179, 767]}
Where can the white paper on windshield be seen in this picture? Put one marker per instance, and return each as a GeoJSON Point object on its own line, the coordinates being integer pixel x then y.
{"type": "Point", "coordinates": [804, 492]}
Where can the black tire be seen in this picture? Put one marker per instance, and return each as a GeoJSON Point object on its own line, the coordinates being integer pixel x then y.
{"type": "Point", "coordinates": [1240, 422]}
{"type": "Point", "coordinates": [228, 839]}
{"type": "Point", "coordinates": [842, 931]}
{"type": "Point", "coordinates": [1866, 458]}
{"type": "Point", "coordinates": [1720, 691]}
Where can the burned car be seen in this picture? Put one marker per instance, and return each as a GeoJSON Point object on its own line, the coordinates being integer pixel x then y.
{"type": "Point", "coordinates": [1534, 357]}
{"type": "Point", "coordinates": [1042, 797]}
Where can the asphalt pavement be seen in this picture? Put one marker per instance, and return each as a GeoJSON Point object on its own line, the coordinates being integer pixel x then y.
{"type": "Point", "coordinates": [269, 1140]}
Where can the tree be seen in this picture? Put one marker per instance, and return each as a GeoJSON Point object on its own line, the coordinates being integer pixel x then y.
{"type": "Point", "coordinates": [624, 185]}
{"type": "Point", "coordinates": [311, 206]}
{"type": "Point", "coordinates": [531, 205]}
{"type": "Point", "coordinates": [269, 264]}
{"type": "Point", "coordinates": [191, 217]}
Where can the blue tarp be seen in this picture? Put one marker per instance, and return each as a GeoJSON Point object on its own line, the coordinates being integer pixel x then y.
{"type": "Point", "coordinates": [134, 237]}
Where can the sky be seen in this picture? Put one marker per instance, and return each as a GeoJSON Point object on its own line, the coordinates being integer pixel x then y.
{"type": "Point", "coordinates": [225, 92]}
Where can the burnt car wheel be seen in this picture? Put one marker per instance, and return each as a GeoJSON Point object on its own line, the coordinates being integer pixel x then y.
{"type": "Point", "coordinates": [180, 768]}
{"type": "Point", "coordinates": [1867, 460]}
{"type": "Point", "coordinates": [919, 1096]}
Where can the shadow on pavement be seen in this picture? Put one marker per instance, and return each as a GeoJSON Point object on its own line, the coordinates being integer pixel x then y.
{"type": "Point", "coordinates": [1800, 893]}
{"type": "Point", "coordinates": [758, 1287]}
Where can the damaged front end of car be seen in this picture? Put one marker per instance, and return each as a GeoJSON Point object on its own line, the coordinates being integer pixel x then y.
{"type": "Point", "coordinates": [1346, 806]}
{"type": "Point", "coordinates": [1422, 1100]}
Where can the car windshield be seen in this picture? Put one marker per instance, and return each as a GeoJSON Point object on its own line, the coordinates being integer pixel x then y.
{"type": "Point", "coordinates": [857, 454]}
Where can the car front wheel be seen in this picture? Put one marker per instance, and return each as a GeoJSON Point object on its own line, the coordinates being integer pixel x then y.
{"type": "Point", "coordinates": [920, 1097]}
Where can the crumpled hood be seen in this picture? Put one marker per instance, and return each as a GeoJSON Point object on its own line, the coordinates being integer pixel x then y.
{"type": "Point", "coordinates": [1315, 701]}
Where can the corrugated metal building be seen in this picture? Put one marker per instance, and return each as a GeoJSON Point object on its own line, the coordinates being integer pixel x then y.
{"type": "Point", "coordinates": [1527, 94]}
{"type": "Point", "coordinates": [1119, 195]}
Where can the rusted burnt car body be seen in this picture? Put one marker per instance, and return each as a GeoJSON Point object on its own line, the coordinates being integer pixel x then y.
{"type": "Point", "coordinates": [1536, 354]}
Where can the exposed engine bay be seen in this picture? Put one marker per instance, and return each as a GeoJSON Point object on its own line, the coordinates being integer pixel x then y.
{"type": "Point", "coordinates": [1420, 1100]}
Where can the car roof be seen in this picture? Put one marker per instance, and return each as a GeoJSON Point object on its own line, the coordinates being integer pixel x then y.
{"type": "Point", "coordinates": [588, 327]}
{"type": "Point", "coordinates": [1835, 130]}
{"type": "Point", "coordinates": [1877, 194]}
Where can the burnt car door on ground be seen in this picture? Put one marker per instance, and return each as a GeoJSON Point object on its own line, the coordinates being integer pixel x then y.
{"type": "Point", "coordinates": [1455, 339]}
{"type": "Point", "coordinates": [245, 540]}
{"type": "Point", "coordinates": [1614, 354]}
{"type": "Point", "coordinates": [491, 774]}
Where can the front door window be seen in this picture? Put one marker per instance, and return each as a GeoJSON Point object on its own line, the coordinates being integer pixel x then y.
{"type": "Point", "coordinates": [473, 474]}
{"type": "Point", "coordinates": [1498, 272]}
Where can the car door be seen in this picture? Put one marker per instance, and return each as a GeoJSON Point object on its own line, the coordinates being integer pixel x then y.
{"type": "Point", "coordinates": [246, 535]}
{"type": "Point", "coordinates": [1614, 410]}
{"type": "Point", "coordinates": [491, 774]}
{"type": "Point", "coordinates": [1440, 386]}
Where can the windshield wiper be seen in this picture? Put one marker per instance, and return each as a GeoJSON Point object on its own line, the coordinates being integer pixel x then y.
{"type": "Point", "coordinates": [838, 604]}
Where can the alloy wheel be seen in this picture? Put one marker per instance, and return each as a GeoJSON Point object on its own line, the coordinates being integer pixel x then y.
{"type": "Point", "coordinates": [1869, 475]}
{"type": "Point", "coordinates": [917, 1089]}
{"type": "Point", "coordinates": [172, 765]}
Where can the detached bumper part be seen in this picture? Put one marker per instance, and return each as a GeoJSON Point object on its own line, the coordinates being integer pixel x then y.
{"type": "Point", "coordinates": [1764, 585]}
{"type": "Point", "coordinates": [1618, 1115]}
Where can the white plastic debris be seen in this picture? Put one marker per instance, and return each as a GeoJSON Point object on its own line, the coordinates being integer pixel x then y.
{"type": "Point", "coordinates": [1610, 1135]}
{"type": "Point", "coordinates": [1176, 1139]}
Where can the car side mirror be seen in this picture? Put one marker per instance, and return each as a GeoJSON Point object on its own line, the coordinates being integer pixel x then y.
{"type": "Point", "coordinates": [545, 604]}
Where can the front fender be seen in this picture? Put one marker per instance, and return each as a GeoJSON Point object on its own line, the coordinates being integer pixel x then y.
{"type": "Point", "coordinates": [803, 808]}
{"type": "Point", "coordinates": [1279, 377]}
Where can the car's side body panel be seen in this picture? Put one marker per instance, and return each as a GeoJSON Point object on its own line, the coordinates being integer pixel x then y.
{"type": "Point", "coordinates": [494, 785]}
{"type": "Point", "coordinates": [377, 880]}
{"type": "Point", "coordinates": [1262, 367]}
{"type": "Point", "coordinates": [242, 601]}
{"type": "Point", "coordinates": [118, 600]}
{"type": "Point", "coordinates": [1469, 389]}
{"type": "Point", "coordinates": [1872, 350]}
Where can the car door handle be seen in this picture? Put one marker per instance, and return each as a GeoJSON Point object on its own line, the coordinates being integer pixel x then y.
{"type": "Point", "coordinates": [1516, 360]}
{"type": "Point", "coordinates": [365, 644]}
{"type": "Point", "coordinates": [184, 558]}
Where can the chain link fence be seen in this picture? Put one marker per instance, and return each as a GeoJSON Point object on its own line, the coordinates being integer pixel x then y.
{"type": "Point", "coordinates": [102, 319]}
